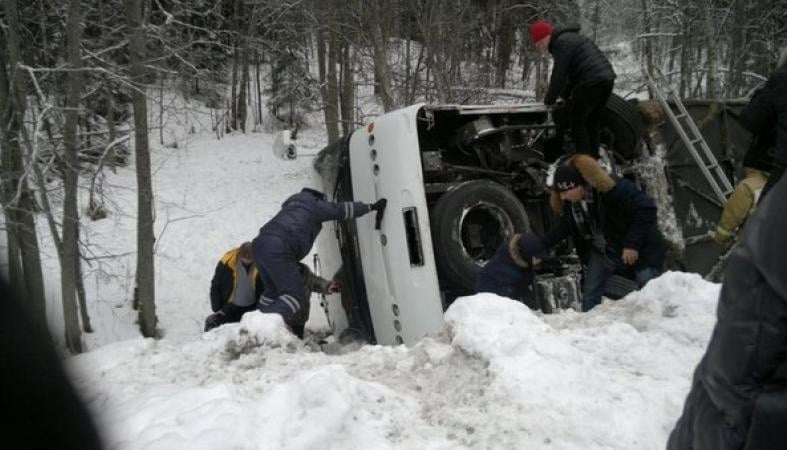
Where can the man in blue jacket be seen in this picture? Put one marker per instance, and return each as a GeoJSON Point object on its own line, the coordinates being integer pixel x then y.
{"type": "Point", "coordinates": [581, 75]}
{"type": "Point", "coordinates": [510, 270]}
{"type": "Point", "coordinates": [612, 223]}
{"type": "Point", "coordinates": [286, 239]}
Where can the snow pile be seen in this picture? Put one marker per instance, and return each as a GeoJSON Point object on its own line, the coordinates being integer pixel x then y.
{"type": "Point", "coordinates": [498, 376]}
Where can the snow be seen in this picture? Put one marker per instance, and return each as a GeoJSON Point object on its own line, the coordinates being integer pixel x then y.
{"type": "Point", "coordinates": [498, 375]}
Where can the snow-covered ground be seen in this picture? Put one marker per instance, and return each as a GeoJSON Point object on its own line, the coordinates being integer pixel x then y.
{"type": "Point", "coordinates": [497, 376]}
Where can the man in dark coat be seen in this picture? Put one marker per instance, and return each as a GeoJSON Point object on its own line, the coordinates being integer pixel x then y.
{"type": "Point", "coordinates": [738, 397]}
{"type": "Point", "coordinates": [612, 223]}
{"type": "Point", "coordinates": [286, 239]}
{"type": "Point", "coordinates": [581, 75]}
{"type": "Point", "coordinates": [510, 270]}
{"type": "Point", "coordinates": [235, 287]}
{"type": "Point", "coordinates": [768, 109]}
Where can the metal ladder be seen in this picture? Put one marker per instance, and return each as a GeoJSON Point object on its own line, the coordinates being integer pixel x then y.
{"type": "Point", "coordinates": [692, 138]}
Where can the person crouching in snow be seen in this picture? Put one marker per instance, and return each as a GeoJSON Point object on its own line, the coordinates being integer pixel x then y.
{"type": "Point", "coordinates": [235, 287]}
{"type": "Point", "coordinates": [286, 239]}
{"type": "Point", "coordinates": [612, 223]}
{"type": "Point", "coordinates": [510, 270]}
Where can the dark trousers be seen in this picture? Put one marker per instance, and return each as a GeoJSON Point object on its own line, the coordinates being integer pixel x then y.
{"type": "Point", "coordinates": [585, 109]}
{"type": "Point", "coordinates": [599, 268]}
{"type": "Point", "coordinates": [284, 292]}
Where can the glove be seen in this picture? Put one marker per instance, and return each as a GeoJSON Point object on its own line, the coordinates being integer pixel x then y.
{"type": "Point", "coordinates": [214, 320]}
{"type": "Point", "coordinates": [378, 206]}
{"type": "Point", "coordinates": [721, 236]}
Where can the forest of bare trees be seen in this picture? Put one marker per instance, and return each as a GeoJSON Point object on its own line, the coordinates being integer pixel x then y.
{"type": "Point", "coordinates": [76, 75]}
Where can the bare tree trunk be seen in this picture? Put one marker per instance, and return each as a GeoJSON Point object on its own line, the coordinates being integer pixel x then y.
{"type": "Point", "coordinates": [70, 253]}
{"type": "Point", "coordinates": [647, 42]}
{"type": "Point", "coordinates": [379, 38]}
{"type": "Point", "coordinates": [244, 82]}
{"type": "Point", "coordinates": [111, 126]}
{"type": "Point", "coordinates": [503, 49]}
{"type": "Point", "coordinates": [348, 90]}
{"type": "Point", "coordinates": [145, 270]}
{"type": "Point", "coordinates": [330, 86]}
{"type": "Point", "coordinates": [233, 125]}
{"type": "Point", "coordinates": [160, 110]}
{"type": "Point", "coordinates": [259, 89]}
{"type": "Point", "coordinates": [19, 203]}
{"type": "Point", "coordinates": [712, 58]}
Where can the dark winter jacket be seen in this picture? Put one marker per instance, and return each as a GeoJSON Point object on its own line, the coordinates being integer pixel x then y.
{"type": "Point", "coordinates": [301, 217]}
{"type": "Point", "coordinates": [624, 215]}
{"type": "Point", "coordinates": [577, 60]}
{"type": "Point", "coordinates": [738, 398]}
{"type": "Point", "coordinates": [768, 109]}
{"type": "Point", "coordinates": [223, 284]}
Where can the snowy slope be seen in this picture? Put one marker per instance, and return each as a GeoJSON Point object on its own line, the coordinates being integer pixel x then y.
{"type": "Point", "coordinates": [499, 376]}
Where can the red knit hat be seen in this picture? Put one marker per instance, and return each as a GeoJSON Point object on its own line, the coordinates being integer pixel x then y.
{"type": "Point", "coordinates": [539, 30]}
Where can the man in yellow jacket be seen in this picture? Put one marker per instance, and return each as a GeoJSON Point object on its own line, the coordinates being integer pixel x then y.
{"type": "Point", "coordinates": [235, 288]}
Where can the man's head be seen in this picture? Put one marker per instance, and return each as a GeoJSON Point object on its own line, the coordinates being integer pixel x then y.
{"type": "Point", "coordinates": [244, 252]}
{"type": "Point", "coordinates": [568, 182]}
{"type": "Point", "coordinates": [541, 34]}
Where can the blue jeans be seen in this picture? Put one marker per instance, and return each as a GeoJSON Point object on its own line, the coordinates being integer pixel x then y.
{"type": "Point", "coordinates": [599, 268]}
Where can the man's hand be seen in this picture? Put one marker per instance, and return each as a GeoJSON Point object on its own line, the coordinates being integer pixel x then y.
{"type": "Point", "coordinates": [630, 256]}
{"type": "Point", "coordinates": [214, 320]}
{"type": "Point", "coordinates": [335, 286]}
{"type": "Point", "coordinates": [378, 206]}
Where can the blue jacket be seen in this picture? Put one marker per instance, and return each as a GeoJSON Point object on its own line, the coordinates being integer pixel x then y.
{"type": "Point", "coordinates": [301, 216]}
{"type": "Point", "coordinates": [627, 218]}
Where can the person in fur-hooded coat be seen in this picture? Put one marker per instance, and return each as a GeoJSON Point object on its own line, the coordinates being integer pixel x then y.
{"type": "Point", "coordinates": [612, 222]}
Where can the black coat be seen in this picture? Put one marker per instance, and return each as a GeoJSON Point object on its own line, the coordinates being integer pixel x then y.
{"type": "Point", "coordinates": [738, 397]}
{"type": "Point", "coordinates": [768, 109]}
{"type": "Point", "coordinates": [301, 217]}
{"type": "Point", "coordinates": [577, 60]}
{"type": "Point", "coordinates": [626, 216]}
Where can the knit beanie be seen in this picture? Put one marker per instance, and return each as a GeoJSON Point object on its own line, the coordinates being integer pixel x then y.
{"type": "Point", "coordinates": [539, 30]}
{"type": "Point", "coordinates": [530, 245]}
{"type": "Point", "coordinates": [566, 177]}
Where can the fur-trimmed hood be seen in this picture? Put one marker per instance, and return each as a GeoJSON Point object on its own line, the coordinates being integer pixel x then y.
{"type": "Point", "coordinates": [591, 172]}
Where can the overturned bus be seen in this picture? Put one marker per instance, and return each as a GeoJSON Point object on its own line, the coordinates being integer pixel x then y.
{"type": "Point", "coordinates": [461, 179]}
